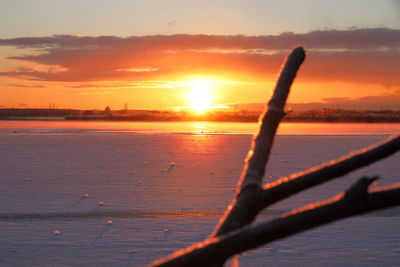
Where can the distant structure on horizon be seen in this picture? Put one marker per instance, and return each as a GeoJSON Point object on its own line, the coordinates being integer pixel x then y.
{"type": "Point", "coordinates": [107, 111]}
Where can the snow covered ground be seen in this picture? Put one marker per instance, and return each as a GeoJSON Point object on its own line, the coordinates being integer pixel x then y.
{"type": "Point", "coordinates": [72, 198]}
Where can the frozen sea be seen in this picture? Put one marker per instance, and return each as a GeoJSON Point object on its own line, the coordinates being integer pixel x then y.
{"type": "Point", "coordinates": [125, 194]}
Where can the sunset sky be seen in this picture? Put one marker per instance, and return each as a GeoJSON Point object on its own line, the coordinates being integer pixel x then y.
{"type": "Point", "coordinates": [159, 54]}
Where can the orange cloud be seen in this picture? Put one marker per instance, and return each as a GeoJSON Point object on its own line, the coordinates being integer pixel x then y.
{"type": "Point", "coordinates": [356, 55]}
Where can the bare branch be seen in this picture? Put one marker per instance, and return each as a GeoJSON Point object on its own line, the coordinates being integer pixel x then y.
{"type": "Point", "coordinates": [258, 155]}
{"type": "Point", "coordinates": [287, 186]}
{"type": "Point", "coordinates": [232, 235]}
{"type": "Point", "coordinates": [236, 215]}
{"type": "Point", "coordinates": [255, 199]}
{"type": "Point", "coordinates": [355, 201]}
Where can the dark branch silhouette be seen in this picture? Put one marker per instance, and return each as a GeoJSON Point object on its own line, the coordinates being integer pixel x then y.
{"type": "Point", "coordinates": [355, 201]}
{"type": "Point", "coordinates": [250, 181]}
{"type": "Point", "coordinates": [234, 234]}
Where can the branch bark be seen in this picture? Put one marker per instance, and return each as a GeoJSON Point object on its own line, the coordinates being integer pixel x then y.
{"type": "Point", "coordinates": [258, 155]}
{"type": "Point", "coordinates": [354, 201]}
{"type": "Point", "coordinates": [248, 205]}
{"type": "Point", "coordinates": [239, 212]}
{"type": "Point", "coordinates": [233, 235]}
{"type": "Point", "coordinates": [287, 186]}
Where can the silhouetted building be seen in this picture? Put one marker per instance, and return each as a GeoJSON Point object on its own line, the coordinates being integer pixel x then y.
{"type": "Point", "coordinates": [107, 111]}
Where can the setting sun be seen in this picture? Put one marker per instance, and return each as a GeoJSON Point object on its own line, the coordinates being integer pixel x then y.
{"type": "Point", "coordinates": [200, 96]}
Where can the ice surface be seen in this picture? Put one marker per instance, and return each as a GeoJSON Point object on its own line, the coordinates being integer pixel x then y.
{"type": "Point", "coordinates": [147, 214]}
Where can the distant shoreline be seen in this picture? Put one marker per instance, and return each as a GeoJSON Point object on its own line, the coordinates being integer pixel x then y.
{"type": "Point", "coordinates": [311, 116]}
{"type": "Point", "coordinates": [238, 120]}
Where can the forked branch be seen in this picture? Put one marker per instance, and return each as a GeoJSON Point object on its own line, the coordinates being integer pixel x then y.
{"type": "Point", "coordinates": [355, 201]}
{"type": "Point", "coordinates": [233, 235]}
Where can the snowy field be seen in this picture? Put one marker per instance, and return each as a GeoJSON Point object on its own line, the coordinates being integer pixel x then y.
{"type": "Point", "coordinates": [125, 198]}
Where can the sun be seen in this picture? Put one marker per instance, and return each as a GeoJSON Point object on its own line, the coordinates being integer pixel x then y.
{"type": "Point", "coordinates": [200, 96]}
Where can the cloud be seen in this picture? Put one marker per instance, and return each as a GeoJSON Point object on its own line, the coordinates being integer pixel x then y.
{"type": "Point", "coordinates": [352, 38]}
{"type": "Point", "coordinates": [94, 85]}
{"type": "Point", "coordinates": [354, 55]}
{"type": "Point", "coordinates": [26, 86]}
{"type": "Point", "coordinates": [390, 101]}
{"type": "Point", "coordinates": [373, 102]}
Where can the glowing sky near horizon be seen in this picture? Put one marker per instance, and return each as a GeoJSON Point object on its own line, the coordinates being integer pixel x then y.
{"type": "Point", "coordinates": [93, 72]}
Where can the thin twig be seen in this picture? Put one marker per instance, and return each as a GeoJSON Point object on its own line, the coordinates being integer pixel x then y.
{"type": "Point", "coordinates": [355, 201]}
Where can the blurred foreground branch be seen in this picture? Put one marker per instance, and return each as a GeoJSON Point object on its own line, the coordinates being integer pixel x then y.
{"type": "Point", "coordinates": [354, 201]}
{"type": "Point", "coordinates": [233, 234]}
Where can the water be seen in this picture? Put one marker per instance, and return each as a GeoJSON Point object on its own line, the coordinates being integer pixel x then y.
{"type": "Point", "coordinates": [61, 126]}
{"type": "Point", "coordinates": [195, 127]}
{"type": "Point", "coordinates": [48, 168]}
